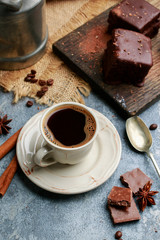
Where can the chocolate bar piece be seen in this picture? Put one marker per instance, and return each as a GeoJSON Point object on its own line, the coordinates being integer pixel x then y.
{"type": "Point", "coordinates": [121, 214]}
{"type": "Point", "coordinates": [135, 179]}
{"type": "Point", "coordinates": [136, 15]}
{"type": "Point", "coordinates": [120, 196]}
{"type": "Point", "coordinates": [128, 57]}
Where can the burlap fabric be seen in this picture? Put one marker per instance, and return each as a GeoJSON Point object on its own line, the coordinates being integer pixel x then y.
{"type": "Point", "coordinates": [63, 16]}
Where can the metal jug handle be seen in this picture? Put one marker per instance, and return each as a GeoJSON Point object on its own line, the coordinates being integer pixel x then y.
{"type": "Point", "coordinates": [14, 5]}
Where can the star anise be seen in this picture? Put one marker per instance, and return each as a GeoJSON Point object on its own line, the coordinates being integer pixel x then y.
{"type": "Point", "coordinates": [4, 128]}
{"type": "Point", "coordinates": [144, 196]}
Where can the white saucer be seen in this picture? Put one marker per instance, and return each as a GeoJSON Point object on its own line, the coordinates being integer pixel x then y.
{"type": "Point", "coordinates": [98, 166]}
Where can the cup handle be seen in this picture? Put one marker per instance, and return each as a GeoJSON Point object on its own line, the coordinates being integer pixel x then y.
{"type": "Point", "coordinates": [42, 157]}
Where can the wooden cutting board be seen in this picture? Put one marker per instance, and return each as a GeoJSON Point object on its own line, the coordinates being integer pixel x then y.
{"type": "Point", "coordinates": [83, 50]}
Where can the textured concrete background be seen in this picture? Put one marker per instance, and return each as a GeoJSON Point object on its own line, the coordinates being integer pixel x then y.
{"type": "Point", "coordinates": [28, 212]}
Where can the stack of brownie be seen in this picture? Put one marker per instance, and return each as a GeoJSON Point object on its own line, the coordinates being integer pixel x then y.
{"type": "Point", "coordinates": [128, 57]}
{"type": "Point", "coordinates": [120, 200]}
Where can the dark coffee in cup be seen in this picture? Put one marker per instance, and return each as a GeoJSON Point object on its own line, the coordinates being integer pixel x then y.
{"type": "Point", "coordinates": [69, 126]}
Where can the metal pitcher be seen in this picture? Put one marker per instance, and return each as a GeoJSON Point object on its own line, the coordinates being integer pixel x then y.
{"type": "Point", "coordinates": [23, 33]}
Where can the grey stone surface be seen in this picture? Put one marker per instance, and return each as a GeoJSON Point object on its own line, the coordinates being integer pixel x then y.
{"type": "Point", "coordinates": [28, 212]}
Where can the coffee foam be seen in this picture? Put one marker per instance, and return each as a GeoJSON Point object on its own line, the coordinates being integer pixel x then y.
{"type": "Point", "coordinates": [89, 129]}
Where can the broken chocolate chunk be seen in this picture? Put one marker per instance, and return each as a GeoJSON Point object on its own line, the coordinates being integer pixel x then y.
{"type": "Point", "coordinates": [120, 197]}
{"type": "Point", "coordinates": [121, 214]}
{"type": "Point", "coordinates": [135, 179]}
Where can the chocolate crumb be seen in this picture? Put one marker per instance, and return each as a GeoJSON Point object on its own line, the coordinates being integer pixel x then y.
{"type": "Point", "coordinates": [29, 104]}
{"type": "Point", "coordinates": [153, 126]}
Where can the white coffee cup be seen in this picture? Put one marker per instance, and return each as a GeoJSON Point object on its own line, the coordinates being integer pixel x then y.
{"type": "Point", "coordinates": [52, 153]}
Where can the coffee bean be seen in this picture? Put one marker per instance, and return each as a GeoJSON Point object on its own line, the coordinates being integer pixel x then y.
{"type": "Point", "coordinates": [27, 79]}
{"type": "Point", "coordinates": [42, 82]}
{"type": "Point", "coordinates": [31, 75]}
{"type": "Point", "coordinates": [50, 82]}
{"type": "Point", "coordinates": [153, 126]}
{"type": "Point", "coordinates": [34, 80]}
{"type": "Point", "coordinates": [29, 104]}
{"type": "Point", "coordinates": [33, 71]}
{"type": "Point", "coordinates": [40, 94]}
{"type": "Point", "coordinates": [44, 89]}
{"type": "Point", "coordinates": [118, 234]}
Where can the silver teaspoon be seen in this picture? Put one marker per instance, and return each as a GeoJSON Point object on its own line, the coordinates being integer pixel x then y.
{"type": "Point", "coordinates": [140, 137]}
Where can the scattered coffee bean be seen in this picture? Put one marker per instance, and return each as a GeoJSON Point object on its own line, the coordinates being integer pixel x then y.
{"type": "Point", "coordinates": [34, 80]}
{"type": "Point", "coordinates": [50, 82]}
{"type": "Point", "coordinates": [42, 82]}
{"type": "Point", "coordinates": [153, 126]}
{"type": "Point", "coordinates": [31, 75]}
{"type": "Point", "coordinates": [44, 89]}
{"type": "Point", "coordinates": [40, 94]}
{"type": "Point", "coordinates": [29, 104]}
{"type": "Point", "coordinates": [33, 71]}
{"type": "Point", "coordinates": [27, 79]}
{"type": "Point", "coordinates": [118, 234]}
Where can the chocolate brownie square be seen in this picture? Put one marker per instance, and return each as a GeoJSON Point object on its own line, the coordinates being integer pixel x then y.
{"type": "Point", "coordinates": [120, 196]}
{"type": "Point", "coordinates": [128, 58]}
{"type": "Point", "coordinates": [136, 15]}
{"type": "Point", "coordinates": [135, 179]}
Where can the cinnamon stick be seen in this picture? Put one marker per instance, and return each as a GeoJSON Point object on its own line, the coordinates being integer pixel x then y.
{"type": "Point", "coordinates": [8, 175]}
{"type": "Point", "coordinates": [9, 144]}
